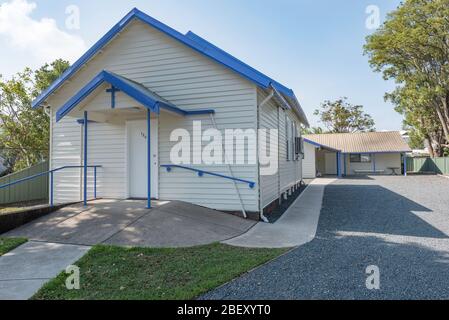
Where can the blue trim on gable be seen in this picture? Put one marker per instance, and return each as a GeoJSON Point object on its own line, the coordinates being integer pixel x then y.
{"type": "Point", "coordinates": [133, 89]}
{"type": "Point", "coordinates": [191, 40]}
{"type": "Point", "coordinates": [76, 99]}
{"type": "Point", "coordinates": [110, 78]}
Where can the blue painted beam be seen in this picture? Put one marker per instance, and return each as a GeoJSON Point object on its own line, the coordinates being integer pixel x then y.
{"type": "Point", "coordinates": [344, 163]}
{"type": "Point", "coordinates": [373, 155]}
{"type": "Point", "coordinates": [85, 157]}
{"type": "Point", "coordinates": [338, 164]}
{"type": "Point", "coordinates": [405, 165]}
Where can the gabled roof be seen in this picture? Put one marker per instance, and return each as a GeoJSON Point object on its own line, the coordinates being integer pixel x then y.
{"type": "Point", "coordinates": [134, 89]}
{"type": "Point", "coordinates": [364, 142]}
{"type": "Point", "coordinates": [191, 40]}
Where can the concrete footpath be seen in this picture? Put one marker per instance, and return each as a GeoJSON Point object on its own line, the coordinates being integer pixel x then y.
{"type": "Point", "coordinates": [296, 227]}
{"type": "Point", "coordinates": [25, 269]}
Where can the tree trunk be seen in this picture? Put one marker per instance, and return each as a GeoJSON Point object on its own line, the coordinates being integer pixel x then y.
{"type": "Point", "coordinates": [444, 101]}
{"type": "Point", "coordinates": [444, 124]}
{"type": "Point", "coordinates": [430, 146]}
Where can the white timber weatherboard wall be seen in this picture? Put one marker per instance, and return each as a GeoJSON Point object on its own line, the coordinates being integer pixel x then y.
{"type": "Point", "coordinates": [183, 77]}
{"type": "Point", "coordinates": [309, 161]}
{"type": "Point", "coordinates": [383, 162]}
{"type": "Point", "coordinates": [268, 119]}
{"type": "Point", "coordinates": [271, 116]}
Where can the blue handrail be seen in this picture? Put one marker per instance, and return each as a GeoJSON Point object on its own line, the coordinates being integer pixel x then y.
{"type": "Point", "coordinates": [203, 172]}
{"type": "Point", "coordinates": [51, 172]}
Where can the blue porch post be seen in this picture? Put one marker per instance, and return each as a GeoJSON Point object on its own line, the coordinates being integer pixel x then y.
{"type": "Point", "coordinates": [85, 157]}
{"type": "Point", "coordinates": [149, 156]}
{"type": "Point", "coordinates": [344, 164]}
{"type": "Point", "coordinates": [374, 163]}
{"type": "Point", "coordinates": [405, 165]}
{"type": "Point", "coordinates": [339, 164]}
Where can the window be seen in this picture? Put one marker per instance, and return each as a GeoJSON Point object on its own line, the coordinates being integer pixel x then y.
{"type": "Point", "coordinates": [289, 137]}
{"type": "Point", "coordinates": [294, 142]}
{"type": "Point", "coordinates": [360, 158]}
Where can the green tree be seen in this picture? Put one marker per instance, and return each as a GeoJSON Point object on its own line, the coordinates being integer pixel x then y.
{"type": "Point", "coordinates": [24, 132]}
{"type": "Point", "coordinates": [412, 48]}
{"type": "Point", "coordinates": [342, 117]}
{"type": "Point", "coordinates": [312, 130]}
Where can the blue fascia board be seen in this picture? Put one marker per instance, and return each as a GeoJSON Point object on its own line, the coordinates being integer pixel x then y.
{"type": "Point", "coordinates": [84, 58]}
{"type": "Point", "coordinates": [320, 145]}
{"type": "Point", "coordinates": [194, 42]}
{"type": "Point", "coordinates": [137, 94]}
{"type": "Point", "coordinates": [80, 96]}
{"type": "Point", "coordinates": [102, 77]}
{"type": "Point", "coordinates": [238, 65]}
{"type": "Point", "coordinates": [129, 88]}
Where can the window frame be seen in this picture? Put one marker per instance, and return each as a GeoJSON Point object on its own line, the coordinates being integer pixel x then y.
{"type": "Point", "coordinates": [360, 158]}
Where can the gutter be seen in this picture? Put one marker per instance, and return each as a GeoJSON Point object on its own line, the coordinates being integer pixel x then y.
{"type": "Point", "coordinates": [286, 105]}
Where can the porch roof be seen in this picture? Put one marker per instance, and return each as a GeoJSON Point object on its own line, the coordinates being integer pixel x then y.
{"type": "Point", "coordinates": [139, 92]}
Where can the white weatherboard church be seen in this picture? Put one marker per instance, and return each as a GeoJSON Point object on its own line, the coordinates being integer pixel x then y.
{"type": "Point", "coordinates": [117, 106]}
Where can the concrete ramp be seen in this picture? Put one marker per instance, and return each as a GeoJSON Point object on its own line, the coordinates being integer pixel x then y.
{"type": "Point", "coordinates": [296, 227]}
{"type": "Point", "coordinates": [128, 223]}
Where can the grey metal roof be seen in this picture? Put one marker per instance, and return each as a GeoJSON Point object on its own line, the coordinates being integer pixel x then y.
{"type": "Point", "coordinates": [363, 142]}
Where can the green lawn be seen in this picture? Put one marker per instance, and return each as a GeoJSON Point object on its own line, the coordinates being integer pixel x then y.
{"type": "Point", "coordinates": [7, 244]}
{"type": "Point", "coordinates": [108, 272]}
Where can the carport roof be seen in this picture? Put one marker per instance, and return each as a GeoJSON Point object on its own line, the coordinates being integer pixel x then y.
{"type": "Point", "coordinates": [364, 142]}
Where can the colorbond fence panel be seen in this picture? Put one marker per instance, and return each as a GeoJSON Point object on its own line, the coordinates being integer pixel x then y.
{"type": "Point", "coordinates": [428, 165]}
{"type": "Point", "coordinates": [32, 190]}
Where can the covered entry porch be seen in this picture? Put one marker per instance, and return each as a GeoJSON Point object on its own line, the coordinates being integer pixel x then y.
{"type": "Point", "coordinates": [119, 122]}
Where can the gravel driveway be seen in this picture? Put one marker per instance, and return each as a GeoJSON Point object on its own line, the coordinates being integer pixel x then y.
{"type": "Point", "coordinates": [400, 224]}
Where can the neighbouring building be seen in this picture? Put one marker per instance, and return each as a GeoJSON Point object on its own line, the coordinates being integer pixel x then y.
{"type": "Point", "coordinates": [345, 154]}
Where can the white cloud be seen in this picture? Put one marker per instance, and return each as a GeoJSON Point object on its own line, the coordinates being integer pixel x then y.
{"type": "Point", "coordinates": [41, 39]}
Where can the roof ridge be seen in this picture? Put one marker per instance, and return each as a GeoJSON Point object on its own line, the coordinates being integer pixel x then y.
{"type": "Point", "coordinates": [223, 58]}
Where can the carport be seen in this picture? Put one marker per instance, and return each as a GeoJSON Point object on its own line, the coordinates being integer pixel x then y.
{"type": "Point", "coordinates": [347, 154]}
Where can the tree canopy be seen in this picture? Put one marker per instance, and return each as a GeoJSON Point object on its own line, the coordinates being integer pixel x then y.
{"type": "Point", "coordinates": [412, 48]}
{"type": "Point", "coordinates": [342, 117]}
{"type": "Point", "coordinates": [24, 132]}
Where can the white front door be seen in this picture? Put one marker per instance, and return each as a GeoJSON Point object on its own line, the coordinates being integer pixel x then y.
{"type": "Point", "coordinates": [137, 159]}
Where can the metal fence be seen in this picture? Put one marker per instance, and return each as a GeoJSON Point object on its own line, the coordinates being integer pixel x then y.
{"type": "Point", "coordinates": [32, 190]}
{"type": "Point", "coordinates": [428, 165]}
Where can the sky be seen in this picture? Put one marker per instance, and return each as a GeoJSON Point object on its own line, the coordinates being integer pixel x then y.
{"type": "Point", "coordinates": [314, 47]}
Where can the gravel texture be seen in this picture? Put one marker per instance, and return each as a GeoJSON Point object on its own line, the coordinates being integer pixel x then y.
{"type": "Point", "coordinates": [400, 224]}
